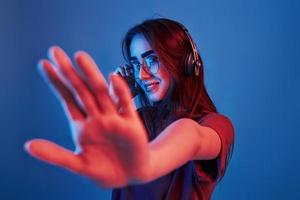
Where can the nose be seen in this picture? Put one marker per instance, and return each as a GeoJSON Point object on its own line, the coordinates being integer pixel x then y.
{"type": "Point", "coordinates": [143, 74]}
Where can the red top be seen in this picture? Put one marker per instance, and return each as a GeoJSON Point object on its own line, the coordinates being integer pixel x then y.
{"type": "Point", "coordinates": [195, 179]}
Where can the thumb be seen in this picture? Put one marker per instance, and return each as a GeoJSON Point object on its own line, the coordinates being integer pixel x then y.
{"type": "Point", "coordinates": [54, 154]}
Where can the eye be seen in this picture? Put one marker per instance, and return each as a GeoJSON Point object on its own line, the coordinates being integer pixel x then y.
{"type": "Point", "coordinates": [151, 60]}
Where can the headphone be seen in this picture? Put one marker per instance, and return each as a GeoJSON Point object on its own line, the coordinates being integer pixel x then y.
{"type": "Point", "coordinates": [192, 61]}
{"type": "Point", "coordinates": [192, 64]}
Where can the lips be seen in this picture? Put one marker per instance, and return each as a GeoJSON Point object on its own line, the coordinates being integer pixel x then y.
{"type": "Point", "coordinates": [150, 86]}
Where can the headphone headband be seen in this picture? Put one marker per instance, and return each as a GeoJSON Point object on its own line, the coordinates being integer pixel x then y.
{"type": "Point", "coordinates": [191, 64]}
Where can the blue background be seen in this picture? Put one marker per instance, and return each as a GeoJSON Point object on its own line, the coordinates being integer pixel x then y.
{"type": "Point", "coordinates": [251, 54]}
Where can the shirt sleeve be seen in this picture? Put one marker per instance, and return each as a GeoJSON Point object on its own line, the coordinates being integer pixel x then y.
{"type": "Point", "coordinates": [213, 170]}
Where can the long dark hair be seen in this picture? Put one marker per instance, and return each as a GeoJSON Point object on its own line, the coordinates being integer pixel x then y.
{"type": "Point", "coordinates": [169, 40]}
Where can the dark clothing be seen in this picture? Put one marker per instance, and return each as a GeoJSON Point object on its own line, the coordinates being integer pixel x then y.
{"type": "Point", "coordinates": [195, 179]}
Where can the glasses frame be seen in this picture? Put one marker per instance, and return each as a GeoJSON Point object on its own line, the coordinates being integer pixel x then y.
{"type": "Point", "coordinates": [146, 66]}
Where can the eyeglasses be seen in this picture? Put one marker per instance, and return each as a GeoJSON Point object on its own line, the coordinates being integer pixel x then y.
{"type": "Point", "coordinates": [151, 64]}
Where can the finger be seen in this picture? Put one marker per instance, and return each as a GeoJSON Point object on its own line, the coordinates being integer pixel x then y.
{"type": "Point", "coordinates": [51, 76]}
{"type": "Point", "coordinates": [122, 70]}
{"type": "Point", "coordinates": [117, 71]}
{"type": "Point", "coordinates": [65, 66]}
{"type": "Point", "coordinates": [54, 154]}
{"type": "Point", "coordinates": [128, 70]}
{"type": "Point", "coordinates": [122, 92]}
{"type": "Point", "coordinates": [113, 96]}
{"type": "Point", "coordinates": [96, 81]}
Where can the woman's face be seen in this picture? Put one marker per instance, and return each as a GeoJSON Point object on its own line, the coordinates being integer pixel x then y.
{"type": "Point", "coordinates": [157, 84]}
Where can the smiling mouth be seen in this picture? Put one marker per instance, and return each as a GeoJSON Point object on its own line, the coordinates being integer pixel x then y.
{"type": "Point", "coordinates": [150, 86]}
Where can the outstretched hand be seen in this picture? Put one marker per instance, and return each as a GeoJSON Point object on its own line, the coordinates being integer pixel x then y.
{"type": "Point", "coordinates": [110, 139]}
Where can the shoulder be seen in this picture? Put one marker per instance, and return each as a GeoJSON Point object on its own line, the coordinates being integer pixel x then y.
{"type": "Point", "coordinates": [210, 117]}
{"type": "Point", "coordinates": [219, 122]}
{"type": "Point", "coordinates": [223, 126]}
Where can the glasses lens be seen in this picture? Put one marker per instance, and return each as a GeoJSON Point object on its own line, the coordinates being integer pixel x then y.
{"type": "Point", "coordinates": [152, 63]}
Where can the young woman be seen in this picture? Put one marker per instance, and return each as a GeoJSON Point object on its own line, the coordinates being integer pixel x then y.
{"type": "Point", "coordinates": [173, 145]}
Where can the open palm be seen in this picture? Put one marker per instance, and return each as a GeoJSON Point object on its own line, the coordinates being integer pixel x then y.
{"type": "Point", "coordinates": [110, 139]}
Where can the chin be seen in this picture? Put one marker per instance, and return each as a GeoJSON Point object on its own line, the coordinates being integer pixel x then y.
{"type": "Point", "coordinates": [154, 98]}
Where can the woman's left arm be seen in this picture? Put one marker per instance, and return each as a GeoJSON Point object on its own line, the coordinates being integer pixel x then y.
{"type": "Point", "coordinates": [181, 141]}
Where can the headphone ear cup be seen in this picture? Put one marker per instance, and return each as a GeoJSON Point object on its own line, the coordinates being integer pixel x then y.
{"type": "Point", "coordinates": [189, 64]}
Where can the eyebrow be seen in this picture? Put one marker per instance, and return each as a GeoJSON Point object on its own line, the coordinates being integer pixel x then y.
{"type": "Point", "coordinates": [145, 54]}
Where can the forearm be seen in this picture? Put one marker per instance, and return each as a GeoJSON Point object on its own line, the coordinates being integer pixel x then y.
{"type": "Point", "coordinates": [176, 145]}
{"type": "Point", "coordinates": [180, 142]}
